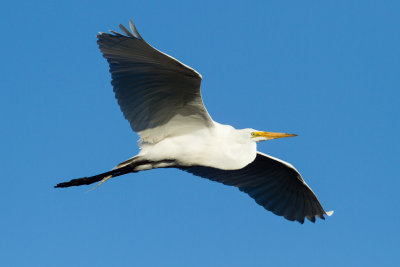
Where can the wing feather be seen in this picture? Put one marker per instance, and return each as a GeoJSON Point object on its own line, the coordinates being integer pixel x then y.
{"type": "Point", "coordinates": [152, 88]}
{"type": "Point", "coordinates": [272, 183]}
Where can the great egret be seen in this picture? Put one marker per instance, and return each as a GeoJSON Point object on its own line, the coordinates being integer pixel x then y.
{"type": "Point", "coordinates": [161, 99]}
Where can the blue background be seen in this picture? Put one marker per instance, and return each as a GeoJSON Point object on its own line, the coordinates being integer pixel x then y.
{"type": "Point", "coordinates": [328, 72]}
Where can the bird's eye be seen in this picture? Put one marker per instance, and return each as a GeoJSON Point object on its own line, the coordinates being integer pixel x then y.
{"type": "Point", "coordinates": [253, 134]}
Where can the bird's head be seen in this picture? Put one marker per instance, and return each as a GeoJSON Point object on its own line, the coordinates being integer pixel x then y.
{"type": "Point", "coordinates": [258, 136]}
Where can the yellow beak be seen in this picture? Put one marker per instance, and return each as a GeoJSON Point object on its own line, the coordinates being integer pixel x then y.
{"type": "Point", "coordinates": [271, 135]}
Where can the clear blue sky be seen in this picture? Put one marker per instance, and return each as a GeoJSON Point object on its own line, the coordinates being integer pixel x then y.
{"type": "Point", "coordinates": [328, 72]}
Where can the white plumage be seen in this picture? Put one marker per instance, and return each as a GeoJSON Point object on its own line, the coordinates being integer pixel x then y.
{"type": "Point", "coordinates": [219, 146]}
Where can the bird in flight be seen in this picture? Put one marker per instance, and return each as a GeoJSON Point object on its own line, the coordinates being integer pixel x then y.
{"type": "Point", "coordinates": [161, 99]}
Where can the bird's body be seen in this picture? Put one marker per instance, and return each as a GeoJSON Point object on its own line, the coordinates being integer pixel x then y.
{"type": "Point", "coordinates": [219, 146]}
{"type": "Point", "coordinates": [161, 99]}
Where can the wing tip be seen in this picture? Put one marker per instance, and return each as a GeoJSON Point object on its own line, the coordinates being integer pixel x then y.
{"type": "Point", "coordinates": [133, 33]}
{"type": "Point", "coordinates": [329, 213]}
{"type": "Point", "coordinates": [134, 30]}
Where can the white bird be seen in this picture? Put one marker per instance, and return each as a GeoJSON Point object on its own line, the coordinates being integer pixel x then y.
{"type": "Point", "coordinates": [161, 99]}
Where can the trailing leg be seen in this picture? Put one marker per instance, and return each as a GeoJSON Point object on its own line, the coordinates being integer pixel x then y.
{"type": "Point", "coordinates": [123, 168]}
{"type": "Point", "coordinates": [96, 178]}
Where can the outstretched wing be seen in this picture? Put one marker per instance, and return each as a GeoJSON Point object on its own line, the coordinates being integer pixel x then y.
{"type": "Point", "coordinates": [272, 183]}
{"type": "Point", "coordinates": [157, 94]}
